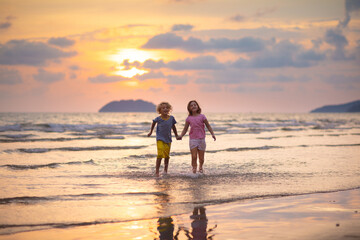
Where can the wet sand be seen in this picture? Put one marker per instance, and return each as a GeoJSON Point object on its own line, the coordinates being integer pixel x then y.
{"type": "Point", "coordinates": [313, 216]}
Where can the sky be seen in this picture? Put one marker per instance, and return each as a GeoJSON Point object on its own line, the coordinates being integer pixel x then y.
{"type": "Point", "coordinates": [229, 55]}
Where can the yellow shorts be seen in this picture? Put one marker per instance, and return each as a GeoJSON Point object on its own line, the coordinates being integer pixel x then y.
{"type": "Point", "coordinates": [163, 149]}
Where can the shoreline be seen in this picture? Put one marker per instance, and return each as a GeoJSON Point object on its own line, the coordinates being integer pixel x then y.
{"type": "Point", "coordinates": [333, 215]}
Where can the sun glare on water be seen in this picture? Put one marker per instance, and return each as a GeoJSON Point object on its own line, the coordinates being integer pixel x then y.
{"type": "Point", "coordinates": [132, 55]}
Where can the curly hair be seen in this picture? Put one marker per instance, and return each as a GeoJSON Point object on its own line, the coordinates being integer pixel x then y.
{"type": "Point", "coordinates": [158, 108]}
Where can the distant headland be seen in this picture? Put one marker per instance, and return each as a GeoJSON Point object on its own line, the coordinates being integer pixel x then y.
{"type": "Point", "coordinates": [129, 106]}
{"type": "Point", "coordinates": [341, 108]}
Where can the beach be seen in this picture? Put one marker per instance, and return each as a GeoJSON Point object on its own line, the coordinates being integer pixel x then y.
{"type": "Point", "coordinates": [91, 176]}
{"type": "Point", "coordinates": [313, 216]}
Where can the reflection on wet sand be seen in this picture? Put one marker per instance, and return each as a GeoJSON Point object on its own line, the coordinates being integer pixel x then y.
{"type": "Point", "coordinates": [199, 227]}
{"type": "Point", "coordinates": [165, 225]}
{"type": "Point", "coordinates": [166, 229]}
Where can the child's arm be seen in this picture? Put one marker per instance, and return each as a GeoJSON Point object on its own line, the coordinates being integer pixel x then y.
{"type": "Point", "coordinates": [151, 129]}
{"type": "Point", "coordinates": [175, 132]}
{"type": "Point", "coordinates": [210, 129]}
{"type": "Point", "coordinates": [184, 130]}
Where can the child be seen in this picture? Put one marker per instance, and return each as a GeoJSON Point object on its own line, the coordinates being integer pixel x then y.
{"type": "Point", "coordinates": [165, 122]}
{"type": "Point", "coordinates": [197, 122]}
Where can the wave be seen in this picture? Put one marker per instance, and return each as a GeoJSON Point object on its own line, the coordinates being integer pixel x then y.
{"type": "Point", "coordinates": [95, 129]}
{"type": "Point", "coordinates": [70, 197]}
{"type": "Point", "coordinates": [95, 148]}
{"type": "Point", "coordinates": [229, 126]}
{"type": "Point", "coordinates": [145, 156]}
{"type": "Point", "coordinates": [49, 165]}
{"type": "Point", "coordinates": [98, 148]}
{"type": "Point", "coordinates": [16, 136]}
{"type": "Point", "coordinates": [60, 139]}
{"type": "Point", "coordinates": [240, 149]}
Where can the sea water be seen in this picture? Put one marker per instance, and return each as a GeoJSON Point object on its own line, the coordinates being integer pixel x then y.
{"type": "Point", "coordinates": [77, 169]}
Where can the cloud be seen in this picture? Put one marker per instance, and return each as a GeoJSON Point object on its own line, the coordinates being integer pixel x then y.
{"type": "Point", "coordinates": [102, 78]}
{"type": "Point", "coordinates": [9, 76]}
{"type": "Point", "coordinates": [182, 27]}
{"type": "Point", "coordinates": [73, 76]}
{"type": "Point", "coordinates": [246, 44]}
{"type": "Point", "coordinates": [237, 18]}
{"type": "Point", "coordinates": [240, 76]}
{"type": "Point", "coordinates": [177, 80]}
{"type": "Point", "coordinates": [344, 82]}
{"type": "Point", "coordinates": [151, 64]}
{"type": "Point", "coordinates": [336, 38]}
{"type": "Point", "coordinates": [164, 41]}
{"type": "Point", "coordinates": [256, 89]}
{"type": "Point", "coordinates": [74, 67]}
{"type": "Point", "coordinates": [23, 52]}
{"type": "Point", "coordinates": [172, 41]}
{"type": "Point", "coordinates": [127, 65]}
{"type": "Point", "coordinates": [5, 25]}
{"type": "Point", "coordinates": [350, 6]}
{"type": "Point", "coordinates": [197, 63]}
{"type": "Point", "coordinates": [342, 79]}
{"type": "Point", "coordinates": [264, 11]}
{"type": "Point", "coordinates": [282, 54]}
{"type": "Point", "coordinates": [61, 42]}
{"type": "Point", "coordinates": [48, 77]}
{"type": "Point", "coordinates": [227, 76]}
{"type": "Point", "coordinates": [259, 13]}
{"type": "Point", "coordinates": [150, 75]}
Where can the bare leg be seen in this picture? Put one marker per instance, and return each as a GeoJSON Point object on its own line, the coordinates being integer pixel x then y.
{"type": "Point", "coordinates": [201, 160]}
{"type": "Point", "coordinates": [166, 165]}
{"type": "Point", "coordinates": [158, 163]}
{"type": "Point", "coordinates": [194, 153]}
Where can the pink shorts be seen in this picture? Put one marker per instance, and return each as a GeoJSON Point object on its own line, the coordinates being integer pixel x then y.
{"type": "Point", "coordinates": [198, 143]}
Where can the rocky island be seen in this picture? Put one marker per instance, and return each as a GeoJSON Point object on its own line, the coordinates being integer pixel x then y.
{"type": "Point", "coordinates": [129, 106]}
{"type": "Point", "coordinates": [341, 108]}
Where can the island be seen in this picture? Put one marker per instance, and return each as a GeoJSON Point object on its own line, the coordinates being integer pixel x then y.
{"type": "Point", "coordinates": [341, 108]}
{"type": "Point", "coordinates": [129, 106]}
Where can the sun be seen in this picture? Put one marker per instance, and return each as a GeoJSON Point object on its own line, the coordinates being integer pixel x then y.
{"type": "Point", "coordinates": [132, 55]}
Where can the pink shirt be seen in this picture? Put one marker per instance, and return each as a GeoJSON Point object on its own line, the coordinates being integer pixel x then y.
{"type": "Point", "coordinates": [197, 126]}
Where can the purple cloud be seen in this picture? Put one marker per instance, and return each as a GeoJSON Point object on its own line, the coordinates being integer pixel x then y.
{"type": "Point", "coordinates": [9, 76]}
{"type": "Point", "coordinates": [61, 42]}
{"type": "Point", "coordinates": [48, 77]}
{"type": "Point", "coordinates": [23, 52]}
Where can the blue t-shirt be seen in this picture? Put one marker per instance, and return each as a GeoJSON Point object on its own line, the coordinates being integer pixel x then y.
{"type": "Point", "coordinates": [163, 128]}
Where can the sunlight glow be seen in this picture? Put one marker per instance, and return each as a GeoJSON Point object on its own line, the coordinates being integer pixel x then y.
{"type": "Point", "coordinates": [130, 73]}
{"type": "Point", "coordinates": [132, 55]}
{"type": "Point", "coordinates": [131, 83]}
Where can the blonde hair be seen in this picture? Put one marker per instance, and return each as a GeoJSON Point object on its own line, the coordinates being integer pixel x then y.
{"type": "Point", "coordinates": [158, 108]}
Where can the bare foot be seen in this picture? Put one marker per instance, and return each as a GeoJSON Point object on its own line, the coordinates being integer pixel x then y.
{"type": "Point", "coordinates": [201, 170]}
{"type": "Point", "coordinates": [194, 170]}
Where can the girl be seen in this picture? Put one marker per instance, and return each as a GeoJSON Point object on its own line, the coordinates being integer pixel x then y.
{"type": "Point", "coordinates": [165, 122]}
{"type": "Point", "coordinates": [197, 122]}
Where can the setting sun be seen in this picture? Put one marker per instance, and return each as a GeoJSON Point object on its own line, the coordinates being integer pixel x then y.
{"type": "Point", "coordinates": [132, 55]}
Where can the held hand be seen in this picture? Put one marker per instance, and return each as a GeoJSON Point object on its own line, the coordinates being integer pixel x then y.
{"type": "Point", "coordinates": [178, 138]}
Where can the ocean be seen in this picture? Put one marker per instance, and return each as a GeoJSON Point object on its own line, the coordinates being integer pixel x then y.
{"type": "Point", "coordinates": [63, 170]}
